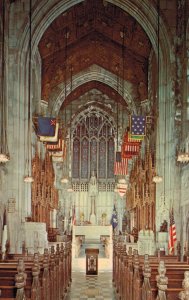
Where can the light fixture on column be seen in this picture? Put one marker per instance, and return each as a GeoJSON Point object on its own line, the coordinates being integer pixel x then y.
{"type": "Point", "coordinates": [183, 154]}
{"type": "Point", "coordinates": [183, 157]}
{"type": "Point", "coordinates": [28, 178]}
{"type": "Point", "coordinates": [69, 189]}
{"type": "Point", "coordinates": [157, 179]}
{"type": "Point", "coordinates": [4, 152]}
{"type": "Point", "coordinates": [64, 180]}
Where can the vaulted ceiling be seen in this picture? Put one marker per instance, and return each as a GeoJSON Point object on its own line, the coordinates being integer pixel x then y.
{"type": "Point", "coordinates": [94, 33]}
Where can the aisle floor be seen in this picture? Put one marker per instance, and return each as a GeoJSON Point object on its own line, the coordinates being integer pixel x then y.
{"type": "Point", "coordinates": [91, 287]}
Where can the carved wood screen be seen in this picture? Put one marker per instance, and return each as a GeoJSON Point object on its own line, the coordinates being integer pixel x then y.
{"type": "Point", "coordinates": [44, 194]}
{"type": "Point", "coordinates": [93, 146]}
{"type": "Point", "coordinates": [141, 193]}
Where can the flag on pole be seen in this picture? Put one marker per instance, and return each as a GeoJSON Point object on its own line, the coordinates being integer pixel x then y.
{"type": "Point", "coordinates": [172, 233]}
{"type": "Point", "coordinates": [120, 165]}
{"type": "Point", "coordinates": [114, 219]}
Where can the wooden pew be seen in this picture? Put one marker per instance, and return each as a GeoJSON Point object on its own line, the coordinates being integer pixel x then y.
{"type": "Point", "coordinates": [44, 277]}
{"type": "Point", "coordinates": [135, 282]}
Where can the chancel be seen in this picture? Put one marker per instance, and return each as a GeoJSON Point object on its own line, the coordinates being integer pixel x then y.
{"type": "Point", "coordinates": [94, 149]}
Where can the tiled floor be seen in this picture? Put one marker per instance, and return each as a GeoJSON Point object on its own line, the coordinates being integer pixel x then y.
{"type": "Point", "coordinates": [91, 287]}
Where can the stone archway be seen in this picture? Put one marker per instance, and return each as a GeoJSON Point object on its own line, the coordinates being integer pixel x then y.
{"type": "Point", "coordinates": [148, 19]}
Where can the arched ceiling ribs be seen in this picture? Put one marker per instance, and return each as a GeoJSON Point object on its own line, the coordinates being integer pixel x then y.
{"type": "Point", "coordinates": [144, 14]}
{"type": "Point", "coordinates": [93, 33]}
{"type": "Point", "coordinates": [94, 73]}
{"type": "Point", "coordinates": [94, 49]}
{"type": "Point", "coordinates": [102, 87]}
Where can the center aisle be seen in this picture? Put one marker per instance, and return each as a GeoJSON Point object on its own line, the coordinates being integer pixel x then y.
{"type": "Point", "coordinates": [91, 287]}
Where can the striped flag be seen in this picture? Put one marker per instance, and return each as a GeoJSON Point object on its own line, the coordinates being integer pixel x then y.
{"type": "Point", "coordinates": [122, 188]}
{"type": "Point", "coordinates": [172, 233]}
{"type": "Point", "coordinates": [120, 165]}
{"type": "Point", "coordinates": [55, 146]}
{"type": "Point", "coordinates": [130, 148]}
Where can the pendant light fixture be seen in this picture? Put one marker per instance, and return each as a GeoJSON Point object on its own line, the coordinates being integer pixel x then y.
{"type": "Point", "coordinates": [28, 178]}
{"type": "Point", "coordinates": [64, 178]}
{"type": "Point", "coordinates": [4, 152]}
{"type": "Point", "coordinates": [157, 178]}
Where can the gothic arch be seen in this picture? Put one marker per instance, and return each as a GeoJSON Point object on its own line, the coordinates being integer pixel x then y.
{"type": "Point", "coordinates": [95, 73]}
{"type": "Point", "coordinates": [148, 20]}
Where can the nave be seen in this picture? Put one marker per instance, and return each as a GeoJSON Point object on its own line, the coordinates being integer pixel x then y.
{"type": "Point", "coordinates": [91, 287]}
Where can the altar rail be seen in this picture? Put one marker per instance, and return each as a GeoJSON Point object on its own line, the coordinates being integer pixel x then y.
{"type": "Point", "coordinates": [147, 277]}
{"type": "Point", "coordinates": [37, 277]}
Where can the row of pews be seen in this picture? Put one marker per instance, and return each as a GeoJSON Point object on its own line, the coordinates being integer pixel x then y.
{"type": "Point", "coordinates": [148, 277]}
{"type": "Point", "coordinates": [37, 277]}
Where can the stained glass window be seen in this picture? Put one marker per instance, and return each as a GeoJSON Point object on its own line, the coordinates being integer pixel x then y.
{"type": "Point", "coordinates": [93, 146]}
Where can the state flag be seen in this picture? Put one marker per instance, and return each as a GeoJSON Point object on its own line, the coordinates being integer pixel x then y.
{"type": "Point", "coordinates": [46, 126]}
{"type": "Point", "coordinates": [114, 219]}
{"type": "Point", "coordinates": [50, 138]}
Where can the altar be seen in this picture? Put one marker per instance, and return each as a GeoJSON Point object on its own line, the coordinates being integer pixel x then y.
{"type": "Point", "coordinates": [92, 232]}
{"type": "Point", "coordinates": [91, 236]}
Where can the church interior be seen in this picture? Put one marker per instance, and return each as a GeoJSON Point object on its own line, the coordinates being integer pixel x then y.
{"type": "Point", "coordinates": [94, 149]}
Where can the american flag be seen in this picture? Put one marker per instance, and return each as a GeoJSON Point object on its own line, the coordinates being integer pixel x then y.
{"type": "Point", "coordinates": [138, 125]}
{"type": "Point", "coordinates": [172, 233]}
{"type": "Point", "coordinates": [120, 165]}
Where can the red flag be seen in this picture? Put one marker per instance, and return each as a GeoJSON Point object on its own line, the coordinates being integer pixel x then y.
{"type": "Point", "coordinates": [172, 233]}
{"type": "Point", "coordinates": [121, 165]}
{"type": "Point", "coordinates": [57, 146]}
{"type": "Point", "coordinates": [130, 148]}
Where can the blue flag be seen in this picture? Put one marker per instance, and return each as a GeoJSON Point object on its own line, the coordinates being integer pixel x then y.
{"type": "Point", "coordinates": [138, 125]}
{"type": "Point", "coordinates": [46, 126]}
{"type": "Point", "coordinates": [114, 220]}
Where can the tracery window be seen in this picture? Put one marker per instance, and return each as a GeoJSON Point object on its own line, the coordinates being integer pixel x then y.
{"type": "Point", "coordinates": [93, 147]}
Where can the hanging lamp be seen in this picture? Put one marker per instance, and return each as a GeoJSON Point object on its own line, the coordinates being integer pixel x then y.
{"type": "Point", "coordinates": [28, 178]}
{"type": "Point", "coordinates": [157, 178]}
{"type": "Point", "coordinates": [4, 152]}
{"type": "Point", "coordinates": [64, 178]}
{"type": "Point", "coordinates": [183, 154]}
